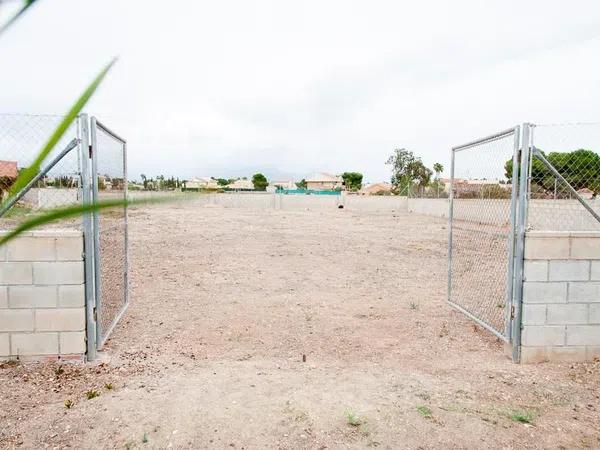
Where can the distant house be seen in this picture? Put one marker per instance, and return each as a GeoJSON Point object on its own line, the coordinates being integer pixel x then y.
{"type": "Point", "coordinates": [283, 184]}
{"type": "Point", "coordinates": [202, 183]}
{"type": "Point", "coordinates": [465, 185]}
{"type": "Point", "coordinates": [586, 193]}
{"type": "Point", "coordinates": [8, 175]}
{"type": "Point", "coordinates": [8, 169]}
{"type": "Point", "coordinates": [241, 185]}
{"type": "Point", "coordinates": [324, 181]}
{"type": "Point", "coordinates": [375, 188]}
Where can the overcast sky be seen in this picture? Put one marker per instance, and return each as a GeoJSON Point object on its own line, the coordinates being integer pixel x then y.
{"type": "Point", "coordinates": [291, 87]}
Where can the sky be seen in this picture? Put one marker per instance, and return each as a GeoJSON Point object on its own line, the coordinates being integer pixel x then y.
{"type": "Point", "coordinates": [229, 88]}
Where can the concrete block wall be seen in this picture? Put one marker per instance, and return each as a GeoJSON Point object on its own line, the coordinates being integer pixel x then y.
{"type": "Point", "coordinates": [42, 296]}
{"type": "Point", "coordinates": [561, 297]}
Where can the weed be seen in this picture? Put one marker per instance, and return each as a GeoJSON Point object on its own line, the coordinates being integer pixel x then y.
{"type": "Point", "coordinates": [59, 371]}
{"type": "Point", "coordinates": [69, 403]}
{"type": "Point", "coordinates": [521, 416]}
{"type": "Point", "coordinates": [109, 386]}
{"type": "Point", "coordinates": [92, 394]}
{"type": "Point", "coordinates": [128, 446]}
{"type": "Point", "coordinates": [425, 411]}
{"type": "Point", "coordinates": [413, 306]}
{"type": "Point", "coordinates": [352, 419]}
{"type": "Point", "coordinates": [145, 438]}
{"type": "Point", "coordinates": [424, 396]}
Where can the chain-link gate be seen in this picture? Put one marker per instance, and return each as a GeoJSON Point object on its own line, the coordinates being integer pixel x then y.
{"type": "Point", "coordinates": [483, 211]}
{"type": "Point", "coordinates": [107, 270]}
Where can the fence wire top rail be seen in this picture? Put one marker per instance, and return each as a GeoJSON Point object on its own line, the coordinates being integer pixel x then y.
{"type": "Point", "coordinates": [490, 138]}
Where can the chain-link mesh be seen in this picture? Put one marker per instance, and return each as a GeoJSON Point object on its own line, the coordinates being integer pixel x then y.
{"type": "Point", "coordinates": [111, 226]}
{"type": "Point", "coordinates": [573, 150]}
{"type": "Point", "coordinates": [21, 139]}
{"type": "Point", "coordinates": [480, 231]}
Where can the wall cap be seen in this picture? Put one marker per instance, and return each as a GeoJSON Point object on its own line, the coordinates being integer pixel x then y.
{"type": "Point", "coordinates": [58, 233]}
{"type": "Point", "coordinates": [562, 234]}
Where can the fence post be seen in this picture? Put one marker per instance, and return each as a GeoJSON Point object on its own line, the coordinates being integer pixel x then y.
{"type": "Point", "coordinates": [512, 236]}
{"type": "Point", "coordinates": [520, 244]}
{"type": "Point", "coordinates": [450, 216]}
{"type": "Point", "coordinates": [88, 243]}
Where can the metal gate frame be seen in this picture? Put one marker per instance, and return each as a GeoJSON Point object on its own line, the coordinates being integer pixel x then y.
{"type": "Point", "coordinates": [518, 214]}
{"type": "Point", "coordinates": [96, 336]}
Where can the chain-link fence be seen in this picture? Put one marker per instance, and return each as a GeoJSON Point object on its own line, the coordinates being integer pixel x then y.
{"type": "Point", "coordinates": [21, 139]}
{"type": "Point", "coordinates": [482, 221]}
{"type": "Point", "coordinates": [565, 178]}
{"type": "Point", "coordinates": [109, 178]}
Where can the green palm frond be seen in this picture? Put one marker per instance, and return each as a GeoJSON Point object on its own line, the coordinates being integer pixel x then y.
{"type": "Point", "coordinates": [26, 5]}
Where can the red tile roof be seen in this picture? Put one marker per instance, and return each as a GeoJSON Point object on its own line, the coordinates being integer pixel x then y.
{"type": "Point", "coordinates": [8, 169]}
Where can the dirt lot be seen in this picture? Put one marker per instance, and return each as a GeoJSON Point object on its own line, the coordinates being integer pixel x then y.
{"type": "Point", "coordinates": [226, 302]}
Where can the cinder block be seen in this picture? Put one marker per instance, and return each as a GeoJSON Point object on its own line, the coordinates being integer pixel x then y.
{"type": "Point", "coordinates": [60, 319]}
{"type": "Point", "coordinates": [534, 314]}
{"type": "Point", "coordinates": [540, 292]}
{"type": "Point", "coordinates": [71, 295]}
{"type": "Point", "coordinates": [594, 317]}
{"type": "Point", "coordinates": [58, 272]}
{"type": "Point", "coordinates": [29, 344]}
{"type": "Point", "coordinates": [538, 336]}
{"type": "Point", "coordinates": [4, 345]}
{"type": "Point", "coordinates": [16, 320]}
{"type": "Point", "coordinates": [535, 270]}
{"type": "Point", "coordinates": [585, 248]}
{"type": "Point", "coordinates": [595, 272]}
{"type": "Point", "coordinates": [31, 249]}
{"type": "Point", "coordinates": [570, 313]}
{"type": "Point", "coordinates": [3, 297]}
{"type": "Point", "coordinates": [72, 342]}
{"type": "Point", "coordinates": [567, 354]}
{"type": "Point", "coordinates": [32, 296]}
{"type": "Point", "coordinates": [69, 249]}
{"type": "Point", "coordinates": [569, 270]}
{"type": "Point", "coordinates": [547, 248]}
{"type": "Point", "coordinates": [584, 292]}
{"type": "Point", "coordinates": [16, 273]}
{"type": "Point", "coordinates": [533, 355]}
{"type": "Point", "coordinates": [583, 335]}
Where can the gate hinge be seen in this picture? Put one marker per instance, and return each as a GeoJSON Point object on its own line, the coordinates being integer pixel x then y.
{"type": "Point", "coordinates": [512, 312]}
{"type": "Point", "coordinates": [90, 149]}
{"type": "Point", "coordinates": [95, 316]}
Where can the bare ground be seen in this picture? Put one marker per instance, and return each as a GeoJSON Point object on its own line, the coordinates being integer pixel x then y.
{"type": "Point", "coordinates": [225, 303]}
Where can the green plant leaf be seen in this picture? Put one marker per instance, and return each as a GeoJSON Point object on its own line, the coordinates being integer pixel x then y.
{"type": "Point", "coordinates": [76, 210]}
{"type": "Point", "coordinates": [27, 174]}
{"type": "Point", "coordinates": [26, 5]}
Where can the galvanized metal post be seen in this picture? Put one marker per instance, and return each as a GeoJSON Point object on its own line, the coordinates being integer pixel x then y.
{"type": "Point", "coordinates": [450, 217]}
{"type": "Point", "coordinates": [88, 243]}
{"type": "Point", "coordinates": [126, 230]}
{"type": "Point", "coordinates": [511, 241]}
{"type": "Point", "coordinates": [96, 225]}
{"type": "Point", "coordinates": [520, 244]}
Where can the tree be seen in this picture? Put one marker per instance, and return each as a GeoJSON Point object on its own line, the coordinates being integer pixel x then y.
{"type": "Point", "coordinates": [259, 181]}
{"type": "Point", "coordinates": [581, 169]}
{"type": "Point", "coordinates": [352, 180]}
{"type": "Point", "coordinates": [301, 184]}
{"type": "Point", "coordinates": [222, 182]}
{"type": "Point", "coordinates": [144, 180]}
{"type": "Point", "coordinates": [437, 168]}
{"type": "Point", "coordinates": [408, 170]}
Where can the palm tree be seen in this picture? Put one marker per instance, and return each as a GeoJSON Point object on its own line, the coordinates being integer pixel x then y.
{"type": "Point", "coordinates": [438, 168]}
